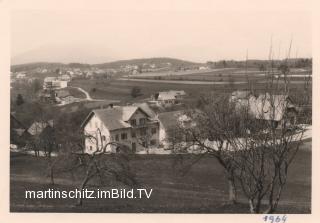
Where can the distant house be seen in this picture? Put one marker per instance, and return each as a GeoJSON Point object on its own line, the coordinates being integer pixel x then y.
{"type": "Point", "coordinates": [204, 68]}
{"type": "Point", "coordinates": [38, 127]}
{"type": "Point", "coordinates": [53, 83]}
{"type": "Point", "coordinates": [21, 76]}
{"type": "Point", "coordinates": [240, 95]}
{"type": "Point", "coordinates": [43, 134]}
{"type": "Point", "coordinates": [65, 77]}
{"type": "Point", "coordinates": [169, 124]}
{"type": "Point", "coordinates": [168, 97]}
{"type": "Point", "coordinates": [133, 126]}
{"type": "Point", "coordinates": [64, 97]}
{"type": "Point", "coordinates": [277, 109]}
{"type": "Point", "coordinates": [18, 132]}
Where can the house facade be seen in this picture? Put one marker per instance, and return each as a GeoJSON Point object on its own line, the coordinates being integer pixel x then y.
{"type": "Point", "coordinates": [131, 126]}
{"type": "Point", "coordinates": [168, 97]}
{"type": "Point", "coordinates": [52, 83]}
{"type": "Point", "coordinates": [276, 109]}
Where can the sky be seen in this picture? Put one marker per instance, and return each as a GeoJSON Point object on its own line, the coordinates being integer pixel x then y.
{"type": "Point", "coordinates": [97, 36]}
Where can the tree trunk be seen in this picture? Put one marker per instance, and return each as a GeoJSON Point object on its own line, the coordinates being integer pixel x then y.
{"type": "Point", "coordinates": [83, 184]}
{"type": "Point", "coordinates": [252, 207]}
{"type": "Point", "coordinates": [51, 175]}
{"type": "Point", "coordinates": [232, 191]}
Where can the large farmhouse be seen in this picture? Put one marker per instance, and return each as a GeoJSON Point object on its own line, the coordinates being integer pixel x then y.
{"type": "Point", "coordinates": [134, 127]}
{"type": "Point", "coordinates": [53, 83]}
{"type": "Point", "coordinates": [277, 109]}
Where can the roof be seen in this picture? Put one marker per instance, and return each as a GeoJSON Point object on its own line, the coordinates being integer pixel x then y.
{"type": "Point", "coordinates": [117, 116]}
{"type": "Point", "coordinates": [267, 107]}
{"type": "Point", "coordinates": [15, 123]}
{"type": "Point", "coordinates": [240, 94]}
{"type": "Point", "coordinates": [37, 127]}
{"type": "Point", "coordinates": [169, 120]}
{"type": "Point", "coordinates": [146, 108]}
{"type": "Point", "coordinates": [49, 79]}
{"type": "Point", "coordinates": [170, 95]}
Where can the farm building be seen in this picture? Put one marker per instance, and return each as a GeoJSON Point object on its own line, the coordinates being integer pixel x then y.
{"type": "Point", "coordinates": [168, 97]}
{"type": "Point", "coordinates": [169, 122]}
{"type": "Point", "coordinates": [65, 77]}
{"type": "Point", "coordinates": [21, 75]}
{"type": "Point", "coordinates": [53, 83]}
{"type": "Point", "coordinates": [37, 128]}
{"type": "Point", "coordinates": [134, 127]}
{"type": "Point", "coordinates": [278, 109]}
{"type": "Point", "coordinates": [63, 96]}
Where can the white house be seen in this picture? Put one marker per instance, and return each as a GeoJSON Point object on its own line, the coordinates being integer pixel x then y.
{"type": "Point", "coordinates": [169, 97]}
{"type": "Point", "coordinates": [65, 77]}
{"type": "Point", "coordinates": [53, 83]}
{"type": "Point", "coordinates": [169, 125]}
{"type": "Point", "coordinates": [21, 76]}
{"type": "Point", "coordinates": [278, 109]}
{"type": "Point", "coordinates": [134, 127]}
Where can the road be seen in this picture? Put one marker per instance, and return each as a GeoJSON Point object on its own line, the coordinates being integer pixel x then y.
{"type": "Point", "coordinates": [199, 82]}
{"type": "Point", "coordinates": [88, 97]}
{"type": "Point", "coordinates": [182, 82]}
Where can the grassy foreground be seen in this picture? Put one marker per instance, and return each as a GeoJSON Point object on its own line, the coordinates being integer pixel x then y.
{"type": "Point", "coordinates": [202, 190]}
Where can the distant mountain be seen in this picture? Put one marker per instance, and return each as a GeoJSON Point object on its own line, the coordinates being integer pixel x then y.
{"type": "Point", "coordinates": [114, 64]}
{"type": "Point", "coordinates": [157, 61]}
{"type": "Point", "coordinates": [160, 61]}
{"type": "Point", "coordinates": [67, 53]}
{"type": "Point", "coordinates": [32, 66]}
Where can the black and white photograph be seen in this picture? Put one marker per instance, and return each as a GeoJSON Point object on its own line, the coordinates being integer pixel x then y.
{"type": "Point", "coordinates": [163, 110]}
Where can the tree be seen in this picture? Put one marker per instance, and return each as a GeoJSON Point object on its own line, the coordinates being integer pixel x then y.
{"type": "Point", "coordinates": [19, 100]}
{"type": "Point", "coordinates": [36, 86]}
{"type": "Point", "coordinates": [247, 138]}
{"type": "Point", "coordinates": [205, 132]}
{"type": "Point", "coordinates": [135, 92]}
{"type": "Point", "coordinates": [97, 164]}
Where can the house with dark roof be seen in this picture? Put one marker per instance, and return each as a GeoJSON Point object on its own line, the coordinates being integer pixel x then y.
{"type": "Point", "coordinates": [133, 126]}
{"type": "Point", "coordinates": [18, 132]}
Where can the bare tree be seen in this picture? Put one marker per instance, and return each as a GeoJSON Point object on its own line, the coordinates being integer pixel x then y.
{"type": "Point", "coordinates": [205, 130]}
{"type": "Point", "coordinates": [99, 164]}
{"type": "Point", "coordinates": [255, 139]}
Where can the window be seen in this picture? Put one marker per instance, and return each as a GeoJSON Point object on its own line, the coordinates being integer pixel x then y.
{"type": "Point", "coordinates": [117, 137]}
{"type": "Point", "coordinates": [154, 130]}
{"type": "Point", "coordinates": [153, 142]}
{"type": "Point", "coordinates": [133, 134]}
{"type": "Point", "coordinates": [142, 121]}
{"type": "Point", "coordinates": [133, 122]}
{"type": "Point", "coordinates": [103, 138]}
{"type": "Point", "coordinates": [124, 136]}
{"type": "Point", "coordinates": [90, 148]}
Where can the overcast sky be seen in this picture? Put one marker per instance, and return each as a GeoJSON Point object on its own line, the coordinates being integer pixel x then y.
{"type": "Point", "coordinates": [102, 36]}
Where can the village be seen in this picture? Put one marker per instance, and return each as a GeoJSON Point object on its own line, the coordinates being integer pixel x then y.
{"type": "Point", "coordinates": [143, 126]}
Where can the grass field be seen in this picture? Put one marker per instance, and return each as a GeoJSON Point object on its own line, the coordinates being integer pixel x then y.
{"type": "Point", "coordinates": [217, 75]}
{"type": "Point", "coordinates": [202, 190]}
{"type": "Point", "coordinates": [117, 89]}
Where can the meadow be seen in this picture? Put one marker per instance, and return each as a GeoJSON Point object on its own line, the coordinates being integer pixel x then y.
{"type": "Point", "coordinates": [202, 190]}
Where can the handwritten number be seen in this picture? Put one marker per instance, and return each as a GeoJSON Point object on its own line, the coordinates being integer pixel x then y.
{"type": "Point", "coordinates": [275, 219]}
